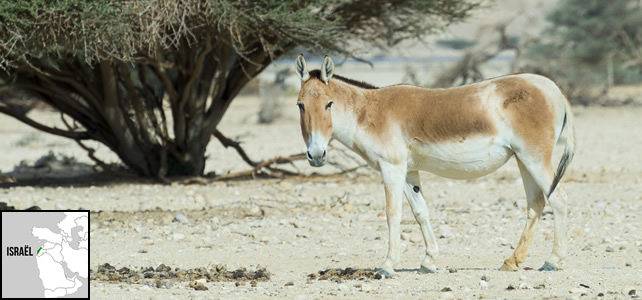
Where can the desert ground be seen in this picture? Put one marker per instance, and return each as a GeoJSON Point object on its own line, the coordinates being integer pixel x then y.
{"type": "Point", "coordinates": [299, 225]}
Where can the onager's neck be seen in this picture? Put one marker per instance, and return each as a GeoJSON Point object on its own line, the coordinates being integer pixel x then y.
{"type": "Point", "coordinates": [348, 102]}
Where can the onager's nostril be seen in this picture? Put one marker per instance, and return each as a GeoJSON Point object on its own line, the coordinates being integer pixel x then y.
{"type": "Point", "coordinates": [324, 154]}
{"type": "Point", "coordinates": [309, 156]}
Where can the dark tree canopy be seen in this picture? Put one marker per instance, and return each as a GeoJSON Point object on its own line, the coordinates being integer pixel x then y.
{"type": "Point", "coordinates": [152, 79]}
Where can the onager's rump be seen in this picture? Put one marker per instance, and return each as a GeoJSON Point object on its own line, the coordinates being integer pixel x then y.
{"type": "Point", "coordinates": [463, 132]}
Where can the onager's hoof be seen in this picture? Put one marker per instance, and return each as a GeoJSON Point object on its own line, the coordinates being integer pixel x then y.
{"type": "Point", "coordinates": [508, 267]}
{"type": "Point", "coordinates": [427, 270]}
{"type": "Point", "coordinates": [548, 267]}
{"type": "Point", "coordinates": [384, 272]}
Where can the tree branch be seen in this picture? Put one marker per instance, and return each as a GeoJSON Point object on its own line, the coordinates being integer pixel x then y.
{"type": "Point", "coordinates": [236, 145]}
{"type": "Point", "coordinates": [64, 133]}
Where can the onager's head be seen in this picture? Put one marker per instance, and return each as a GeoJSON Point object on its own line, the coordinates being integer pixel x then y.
{"type": "Point", "coordinates": [315, 101]}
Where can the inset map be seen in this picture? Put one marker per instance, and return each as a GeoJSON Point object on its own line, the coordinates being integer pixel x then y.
{"type": "Point", "coordinates": [45, 254]}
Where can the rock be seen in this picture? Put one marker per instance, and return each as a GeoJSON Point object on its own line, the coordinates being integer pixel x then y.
{"type": "Point", "coordinates": [629, 291]}
{"type": "Point", "coordinates": [445, 232]}
{"type": "Point", "coordinates": [348, 207]}
{"type": "Point", "coordinates": [485, 277]}
{"type": "Point", "coordinates": [178, 236]}
{"type": "Point", "coordinates": [524, 286]}
{"type": "Point", "coordinates": [416, 238]}
{"type": "Point", "coordinates": [483, 284]}
{"type": "Point", "coordinates": [181, 219]}
{"type": "Point", "coordinates": [446, 289]}
{"type": "Point", "coordinates": [338, 214]}
{"type": "Point", "coordinates": [510, 287]}
{"type": "Point", "coordinates": [610, 249]}
{"type": "Point", "coordinates": [366, 288]}
{"type": "Point", "coordinates": [452, 270]}
{"type": "Point", "coordinates": [253, 211]}
{"type": "Point", "coordinates": [201, 281]}
{"type": "Point", "coordinates": [163, 268]}
{"type": "Point", "coordinates": [628, 264]}
{"type": "Point", "coordinates": [289, 283]}
{"type": "Point", "coordinates": [501, 200]}
{"type": "Point", "coordinates": [405, 236]}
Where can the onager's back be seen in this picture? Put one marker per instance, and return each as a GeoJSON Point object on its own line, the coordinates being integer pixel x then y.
{"type": "Point", "coordinates": [463, 132]}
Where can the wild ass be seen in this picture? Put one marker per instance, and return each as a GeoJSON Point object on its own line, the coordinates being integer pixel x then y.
{"type": "Point", "coordinates": [460, 133]}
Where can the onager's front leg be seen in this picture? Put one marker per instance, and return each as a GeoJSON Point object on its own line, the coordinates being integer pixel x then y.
{"type": "Point", "coordinates": [393, 180]}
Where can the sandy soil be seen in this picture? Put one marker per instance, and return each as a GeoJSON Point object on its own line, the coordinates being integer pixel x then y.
{"type": "Point", "coordinates": [301, 225]}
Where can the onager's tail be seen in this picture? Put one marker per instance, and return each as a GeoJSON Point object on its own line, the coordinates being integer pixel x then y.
{"type": "Point", "coordinates": [569, 150]}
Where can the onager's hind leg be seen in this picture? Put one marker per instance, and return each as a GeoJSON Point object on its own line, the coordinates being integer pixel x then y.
{"type": "Point", "coordinates": [542, 174]}
{"type": "Point", "coordinates": [535, 205]}
{"type": "Point", "coordinates": [558, 201]}
{"type": "Point", "coordinates": [420, 210]}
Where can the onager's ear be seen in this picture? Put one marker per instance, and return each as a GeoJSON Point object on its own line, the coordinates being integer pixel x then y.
{"type": "Point", "coordinates": [327, 69]}
{"type": "Point", "coordinates": [301, 68]}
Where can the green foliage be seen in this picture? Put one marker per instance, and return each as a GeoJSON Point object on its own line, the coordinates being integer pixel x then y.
{"type": "Point", "coordinates": [586, 34]}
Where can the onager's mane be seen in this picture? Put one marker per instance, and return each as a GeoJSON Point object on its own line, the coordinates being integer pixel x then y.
{"type": "Point", "coordinates": [317, 74]}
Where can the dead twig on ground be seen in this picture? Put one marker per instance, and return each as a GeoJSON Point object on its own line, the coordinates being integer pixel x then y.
{"type": "Point", "coordinates": [258, 171]}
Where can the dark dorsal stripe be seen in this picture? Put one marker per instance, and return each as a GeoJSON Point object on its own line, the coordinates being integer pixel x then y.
{"type": "Point", "coordinates": [317, 74]}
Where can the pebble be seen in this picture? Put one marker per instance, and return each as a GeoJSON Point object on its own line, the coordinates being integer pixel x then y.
{"type": "Point", "coordinates": [609, 249]}
{"type": "Point", "coordinates": [348, 207]}
{"type": "Point", "coordinates": [485, 277]}
{"type": "Point", "coordinates": [524, 286]}
{"type": "Point", "coordinates": [181, 218]}
{"type": "Point", "coordinates": [178, 236]}
{"type": "Point", "coordinates": [628, 264]}
{"type": "Point", "coordinates": [289, 283]}
{"type": "Point", "coordinates": [452, 270]}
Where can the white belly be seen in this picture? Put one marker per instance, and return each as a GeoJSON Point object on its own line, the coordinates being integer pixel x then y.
{"type": "Point", "coordinates": [471, 158]}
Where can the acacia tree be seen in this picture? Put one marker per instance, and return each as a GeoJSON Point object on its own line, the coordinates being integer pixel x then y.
{"type": "Point", "coordinates": [151, 80]}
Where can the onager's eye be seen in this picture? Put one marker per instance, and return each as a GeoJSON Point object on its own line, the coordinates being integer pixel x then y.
{"type": "Point", "coordinates": [300, 105]}
{"type": "Point", "coordinates": [327, 106]}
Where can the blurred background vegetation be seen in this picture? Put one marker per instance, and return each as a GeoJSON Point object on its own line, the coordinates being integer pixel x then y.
{"type": "Point", "coordinates": [151, 80]}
